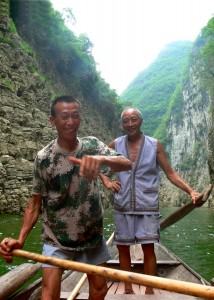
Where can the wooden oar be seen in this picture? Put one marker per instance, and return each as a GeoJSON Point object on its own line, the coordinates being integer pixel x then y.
{"type": "Point", "coordinates": [176, 286]}
{"type": "Point", "coordinates": [83, 278]}
{"type": "Point", "coordinates": [184, 210]}
{"type": "Point", "coordinates": [13, 280]}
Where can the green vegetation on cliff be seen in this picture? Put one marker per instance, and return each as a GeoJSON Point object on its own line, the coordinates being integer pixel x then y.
{"type": "Point", "coordinates": [153, 88]}
{"type": "Point", "coordinates": [63, 55]}
{"type": "Point", "coordinates": [205, 43]}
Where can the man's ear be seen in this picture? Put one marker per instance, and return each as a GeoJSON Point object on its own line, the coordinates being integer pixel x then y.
{"type": "Point", "coordinates": [52, 120]}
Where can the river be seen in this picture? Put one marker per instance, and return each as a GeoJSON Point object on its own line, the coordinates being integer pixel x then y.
{"type": "Point", "coordinates": [192, 238]}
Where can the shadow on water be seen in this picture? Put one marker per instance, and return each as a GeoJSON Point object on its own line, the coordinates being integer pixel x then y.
{"type": "Point", "coordinates": [192, 238]}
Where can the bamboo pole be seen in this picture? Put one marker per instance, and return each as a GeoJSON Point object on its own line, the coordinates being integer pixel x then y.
{"type": "Point", "coordinates": [184, 210]}
{"type": "Point", "coordinates": [75, 291]}
{"type": "Point", "coordinates": [176, 286]}
{"type": "Point", "coordinates": [83, 278]}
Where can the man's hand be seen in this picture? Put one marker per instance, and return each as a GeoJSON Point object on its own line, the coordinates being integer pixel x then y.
{"type": "Point", "coordinates": [195, 196]}
{"type": "Point", "coordinates": [89, 165]}
{"type": "Point", "coordinates": [6, 246]}
{"type": "Point", "coordinates": [113, 186]}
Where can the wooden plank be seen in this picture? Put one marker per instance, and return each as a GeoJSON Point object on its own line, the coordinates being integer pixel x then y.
{"type": "Point", "coordinates": [157, 291]}
{"type": "Point", "coordinates": [121, 288]}
{"type": "Point", "coordinates": [175, 296]}
{"type": "Point", "coordinates": [163, 292]}
{"type": "Point", "coordinates": [142, 289]}
{"type": "Point", "coordinates": [134, 297]}
{"type": "Point", "coordinates": [64, 295]}
{"type": "Point", "coordinates": [109, 284]}
{"type": "Point", "coordinates": [32, 291]}
{"type": "Point", "coordinates": [169, 296]}
{"type": "Point", "coordinates": [84, 296]}
{"type": "Point", "coordinates": [15, 278]}
{"type": "Point", "coordinates": [136, 289]}
{"type": "Point", "coordinates": [172, 262]}
{"type": "Point", "coordinates": [113, 288]}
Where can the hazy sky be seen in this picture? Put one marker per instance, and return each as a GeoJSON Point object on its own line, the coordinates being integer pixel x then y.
{"type": "Point", "coordinates": [128, 34]}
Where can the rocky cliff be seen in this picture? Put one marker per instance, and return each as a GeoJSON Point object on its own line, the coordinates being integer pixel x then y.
{"type": "Point", "coordinates": [188, 131]}
{"type": "Point", "coordinates": [25, 96]}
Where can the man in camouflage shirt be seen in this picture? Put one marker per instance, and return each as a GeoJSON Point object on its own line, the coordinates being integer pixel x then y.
{"type": "Point", "coordinates": [65, 187]}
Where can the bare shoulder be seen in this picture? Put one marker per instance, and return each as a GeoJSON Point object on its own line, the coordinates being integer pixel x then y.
{"type": "Point", "coordinates": [161, 154]}
{"type": "Point", "coordinates": [160, 147]}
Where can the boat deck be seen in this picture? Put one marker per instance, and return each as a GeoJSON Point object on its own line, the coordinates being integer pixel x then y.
{"type": "Point", "coordinates": [116, 292]}
{"type": "Point", "coordinates": [168, 266]}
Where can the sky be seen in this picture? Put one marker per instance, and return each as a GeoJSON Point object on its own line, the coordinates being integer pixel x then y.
{"type": "Point", "coordinates": [129, 34]}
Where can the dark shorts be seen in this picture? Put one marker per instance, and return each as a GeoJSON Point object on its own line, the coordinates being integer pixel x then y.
{"type": "Point", "coordinates": [136, 229]}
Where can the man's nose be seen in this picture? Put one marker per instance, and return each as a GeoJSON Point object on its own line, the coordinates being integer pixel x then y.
{"type": "Point", "coordinates": [70, 120]}
{"type": "Point", "coordinates": [130, 122]}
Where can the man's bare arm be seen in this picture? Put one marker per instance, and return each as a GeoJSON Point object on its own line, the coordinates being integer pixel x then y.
{"type": "Point", "coordinates": [30, 217]}
{"type": "Point", "coordinates": [90, 164]}
{"type": "Point", "coordinates": [174, 177]}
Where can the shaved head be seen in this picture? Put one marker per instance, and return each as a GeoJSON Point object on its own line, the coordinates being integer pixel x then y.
{"type": "Point", "coordinates": [132, 109]}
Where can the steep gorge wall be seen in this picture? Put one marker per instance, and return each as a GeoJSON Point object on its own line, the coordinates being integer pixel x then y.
{"type": "Point", "coordinates": [189, 148]}
{"type": "Point", "coordinates": [25, 128]}
{"type": "Point", "coordinates": [24, 118]}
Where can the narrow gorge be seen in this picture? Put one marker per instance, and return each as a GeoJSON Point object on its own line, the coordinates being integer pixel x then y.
{"type": "Point", "coordinates": [30, 78]}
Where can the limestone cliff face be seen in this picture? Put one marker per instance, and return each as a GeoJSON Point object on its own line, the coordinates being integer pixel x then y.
{"type": "Point", "coordinates": [24, 118]}
{"type": "Point", "coordinates": [189, 148]}
{"type": "Point", "coordinates": [24, 127]}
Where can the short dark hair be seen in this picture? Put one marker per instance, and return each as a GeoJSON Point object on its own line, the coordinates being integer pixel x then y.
{"type": "Point", "coordinates": [68, 99]}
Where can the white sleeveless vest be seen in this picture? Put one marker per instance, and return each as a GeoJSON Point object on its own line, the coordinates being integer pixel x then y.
{"type": "Point", "coordinates": [139, 186]}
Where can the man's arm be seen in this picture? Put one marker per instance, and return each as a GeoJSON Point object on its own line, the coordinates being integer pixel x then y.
{"type": "Point", "coordinates": [30, 217]}
{"type": "Point", "coordinates": [172, 176]}
{"type": "Point", "coordinates": [90, 164]}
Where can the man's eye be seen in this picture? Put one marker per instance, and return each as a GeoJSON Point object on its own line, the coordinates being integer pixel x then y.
{"type": "Point", "coordinates": [64, 117]}
{"type": "Point", "coordinates": [75, 116]}
{"type": "Point", "coordinates": [125, 121]}
{"type": "Point", "coordinates": [133, 119]}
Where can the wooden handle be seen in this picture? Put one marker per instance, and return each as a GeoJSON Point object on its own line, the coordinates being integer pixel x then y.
{"type": "Point", "coordinates": [184, 210]}
{"type": "Point", "coordinates": [147, 280]}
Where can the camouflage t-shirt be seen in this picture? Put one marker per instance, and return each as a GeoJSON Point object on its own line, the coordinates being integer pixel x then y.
{"type": "Point", "coordinates": [72, 213]}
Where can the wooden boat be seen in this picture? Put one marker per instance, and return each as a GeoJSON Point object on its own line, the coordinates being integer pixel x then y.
{"type": "Point", "coordinates": [169, 267]}
{"type": "Point", "coordinates": [174, 278]}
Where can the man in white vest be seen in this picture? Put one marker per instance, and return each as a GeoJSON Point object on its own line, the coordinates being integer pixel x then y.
{"type": "Point", "coordinates": [136, 193]}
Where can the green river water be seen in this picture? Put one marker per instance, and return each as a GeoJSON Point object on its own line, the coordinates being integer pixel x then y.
{"type": "Point", "coordinates": [192, 238]}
